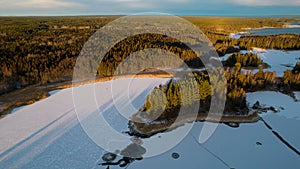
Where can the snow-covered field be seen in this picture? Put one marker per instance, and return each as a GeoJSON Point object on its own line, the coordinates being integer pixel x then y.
{"type": "Point", "coordinates": [47, 134]}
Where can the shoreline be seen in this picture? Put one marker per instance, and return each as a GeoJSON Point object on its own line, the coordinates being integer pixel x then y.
{"type": "Point", "coordinates": [33, 93]}
{"type": "Point", "coordinates": [155, 127]}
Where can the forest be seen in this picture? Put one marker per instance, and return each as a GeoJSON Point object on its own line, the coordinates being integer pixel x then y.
{"type": "Point", "coordinates": [40, 50]}
{"type": "Point", "coordinates": [244, 60]}
{"type": "Point", "coordinates": [280, 42]}
{"type": "Point", "coordinates": [165, 100]}
{"type": "Point", "coordinates": [43, 50]}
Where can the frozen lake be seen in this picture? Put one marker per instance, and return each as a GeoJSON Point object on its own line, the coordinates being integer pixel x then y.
{"type": "Point", "coordinates": [274, 31]}
{"type": "Point", "coordinates": [266, 31]}
{"type": "Point", "coordinates": [278, 60]}
{"type": "Point", "coordinates": [47, 134]}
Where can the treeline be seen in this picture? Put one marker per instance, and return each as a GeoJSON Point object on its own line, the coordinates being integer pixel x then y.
{"type": "Point", "coordinates": [217, 29]}
{"type": "Point", "coordinates": [213, 26]}
{"type": "Point", "coordinates": [243, 60]}
{"type": "Point", "coordinates": [168, 99]}
{"type": "Point", "coordinates": [281, 42]}
{"type": "Point", "coordinates": [291, 81]}
{"type": "Point", "coordinates": [130, 45]}
{"type": "Point", "coordinates": [296, 69]}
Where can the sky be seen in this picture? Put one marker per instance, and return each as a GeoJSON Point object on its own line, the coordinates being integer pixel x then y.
{"type": "Point", "coordinates": [127, 7]}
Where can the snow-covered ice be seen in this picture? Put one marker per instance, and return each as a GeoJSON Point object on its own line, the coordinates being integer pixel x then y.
{"type": "Point", "coordinates": [47, 134]}
{"type": "Point", "coordinates": [297, 95]}
{"type": "Point", "coordinates": [53, 92]}
{"type": "Point", "coordinates": [279, 60]}
{"type": "Point", "coordinates": [238, 35]}
{"type": "Point", "coordinates": [17, 109]}
{"type": "Point", "coordinates": [287, 121]}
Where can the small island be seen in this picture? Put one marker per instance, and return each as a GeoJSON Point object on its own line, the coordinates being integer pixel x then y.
{"type": "Point", "coordinates": [161, 109]}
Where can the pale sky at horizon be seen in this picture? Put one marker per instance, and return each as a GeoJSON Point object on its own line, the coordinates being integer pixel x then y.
{"type": "Point", "coordinates": [124, 7]}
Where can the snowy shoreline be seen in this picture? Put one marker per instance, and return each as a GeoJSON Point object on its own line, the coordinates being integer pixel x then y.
{"type": "Point", "coordinates": [51, 89]}
{"type": "Point", "coordinates": [155, 127]}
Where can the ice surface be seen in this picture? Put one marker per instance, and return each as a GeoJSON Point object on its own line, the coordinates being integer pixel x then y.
{"type": "Point", "coordinates": [279, 60]}
{"type": "Point", "coordinates": [54, 92]}
{"type": "Point", "coordinates": [297, 95]}
{"type": "Point", "coordinates": [47, 134]}
{"type": "Point", "coordinates": [287, 120]}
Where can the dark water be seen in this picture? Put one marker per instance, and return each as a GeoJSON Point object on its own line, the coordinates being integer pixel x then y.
{"type": "Point", "coordinates": [275, 31]}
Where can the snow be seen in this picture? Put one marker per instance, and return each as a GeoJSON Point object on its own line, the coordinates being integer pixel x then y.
{"type": "Point", "coordinates": [53, 92]}
{"type": "Point", "coordinates": [258, 50]}
{"type": "Point", "coordinates": [238, 35]}
{"type": "Point", "coordinates": [248, 71]}
{"type": "Point", "coordinates": [293, 26]}
{"type": "Point", "coordinates": [289, 29]}
{"type": "Point", "coordinates": [238, 148]}
{"type": "Point", "coordinates": [274, 31]}
{"type": "Point", "coordinates": [287, 120]}
{"type": "Point", "coordinates": [297, 95]}
{"type": "Point", "coordinates": [225, 57]}
{"type": "Point", "coordinates": [17, 109]}
{"type": "Point", "coordinates": [279, 60]}
{"type": "Point", "coordinates": [227, 148]}
{"type": "Point", "coordinates": [47, 134]}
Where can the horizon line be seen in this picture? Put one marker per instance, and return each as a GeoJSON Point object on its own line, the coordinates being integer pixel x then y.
{"type": "Point", "coordinates": [191, 15]}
